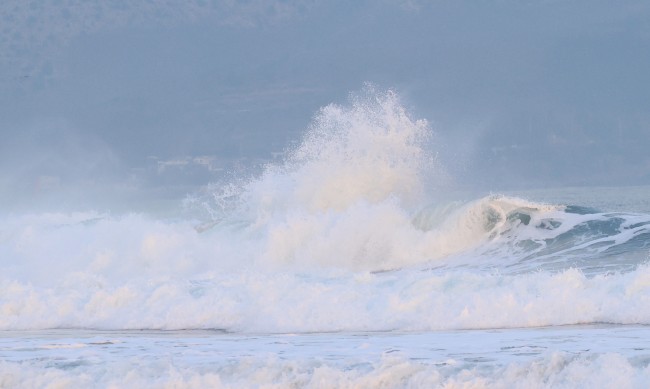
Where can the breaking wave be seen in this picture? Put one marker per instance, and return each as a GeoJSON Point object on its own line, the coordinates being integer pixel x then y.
{"type": "Point", "coordinates": [349, 232]}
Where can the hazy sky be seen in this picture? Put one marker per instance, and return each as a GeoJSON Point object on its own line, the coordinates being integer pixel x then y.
{"type": "Point", "coordinates": [120, 96]}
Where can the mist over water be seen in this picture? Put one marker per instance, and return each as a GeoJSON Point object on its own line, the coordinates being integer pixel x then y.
{"type": "Point", "coordinates": [130, 107]}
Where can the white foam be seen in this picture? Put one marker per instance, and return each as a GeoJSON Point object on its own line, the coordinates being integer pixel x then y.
{"type": "Point", "coordinates": [295, 250]}
{"type": "Point", "coordinates": [558, 370]}
{"type": "Point", "coordinates": [159, 294]}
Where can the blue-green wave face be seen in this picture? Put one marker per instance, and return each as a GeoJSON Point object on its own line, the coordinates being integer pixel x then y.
{"type": "Point", "coordinates": [519, 235]}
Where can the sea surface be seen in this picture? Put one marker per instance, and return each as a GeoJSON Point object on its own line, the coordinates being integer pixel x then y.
{"type": "Point", "coordinates": [350, 264]}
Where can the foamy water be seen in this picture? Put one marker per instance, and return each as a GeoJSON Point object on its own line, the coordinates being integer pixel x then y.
{"type": "Point", "coordinates": [349, 246]}
{"type": "Point", "coordinates": [593, 356]}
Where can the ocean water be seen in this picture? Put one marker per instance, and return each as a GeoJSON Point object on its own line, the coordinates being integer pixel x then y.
{"type": "Point", "coordinates": [351, 263]}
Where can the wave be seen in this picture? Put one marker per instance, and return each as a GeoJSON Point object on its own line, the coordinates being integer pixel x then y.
{"type": "Point", "coordinates": [520, 235]}
{"type": "Point", "coordinates": [350, 196]}
{"type": "Point", "coordinates": [555, 369]}
{"type": "Point", "coordinates": [346, 233]}
{"type": "Point", "coordinates": [494, 232]}
{"type": "Point", "coordinates": [254, 301]}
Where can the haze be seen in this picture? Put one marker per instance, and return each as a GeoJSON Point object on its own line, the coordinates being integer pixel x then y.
{"type": "Point", "coordinates": [103, 103]}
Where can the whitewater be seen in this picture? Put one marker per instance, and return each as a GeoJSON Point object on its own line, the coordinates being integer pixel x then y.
{"type": "Point", "coordinates": [350, 263]}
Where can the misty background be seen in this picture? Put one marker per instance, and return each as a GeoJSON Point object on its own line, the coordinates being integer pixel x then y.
{"type": "Point", "coordinates": [115, 102]}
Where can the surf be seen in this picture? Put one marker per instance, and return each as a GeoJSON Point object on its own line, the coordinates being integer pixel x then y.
{"type": "Point", "coordinates": [353, 230]}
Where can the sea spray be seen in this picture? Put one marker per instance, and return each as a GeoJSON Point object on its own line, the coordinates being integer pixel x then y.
{"type": "Point", "coordinates": [344, 234]}
{"type": "Point", "coordinates": [368, 151]}
{"type": "Point", "coordinates": [339, 265]}
{"type": "Point", "coordinates": [344, 196]}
